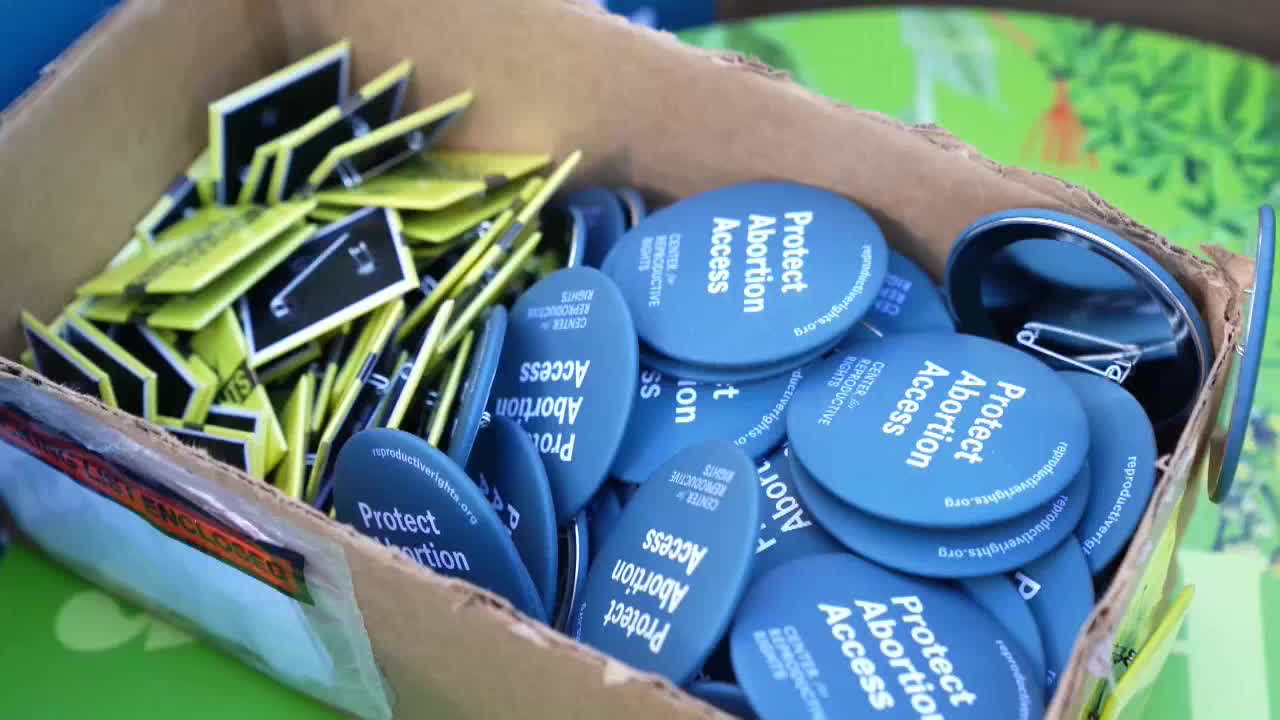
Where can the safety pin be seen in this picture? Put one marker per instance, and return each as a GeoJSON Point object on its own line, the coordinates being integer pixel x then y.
{"type": "Point", "coordinates": [279, 304]}
{"type": "Point", "coordinates": [365, 264]}
{"type": "Point", "coordinates": [1119, 364]}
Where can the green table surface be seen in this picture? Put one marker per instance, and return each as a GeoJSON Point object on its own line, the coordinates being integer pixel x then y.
{"type": "Point", "coordinates": [1183, 136]}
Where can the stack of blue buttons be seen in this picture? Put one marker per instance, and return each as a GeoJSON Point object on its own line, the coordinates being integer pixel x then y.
{"type": "Point", "coordinates": [742, 446]}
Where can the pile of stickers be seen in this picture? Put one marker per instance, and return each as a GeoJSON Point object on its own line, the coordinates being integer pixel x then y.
{"type": "Point", "coordinates": [318, 270]}
{"type": "Point", "coordinates": [738, 442]}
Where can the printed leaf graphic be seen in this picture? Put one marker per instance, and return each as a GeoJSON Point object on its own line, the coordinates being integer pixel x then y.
{"type": "Point", "coordinates": [162, 636]}
{"type": "Point", "coordinates": [952, 47]}
{"type": "Point", "coordinates": [92, 621]}
{"type": "Point", "coordinates": [1236, 91]}
{"type": "Point", "coordinates": [748, 40]}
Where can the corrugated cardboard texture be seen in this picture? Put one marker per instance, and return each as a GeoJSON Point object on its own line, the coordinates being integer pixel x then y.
{"type": "Point", "coordinates": [89, 151]}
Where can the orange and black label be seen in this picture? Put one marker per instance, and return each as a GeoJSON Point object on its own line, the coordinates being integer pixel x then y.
{"type": "Point", "coordinates": [169, 513]}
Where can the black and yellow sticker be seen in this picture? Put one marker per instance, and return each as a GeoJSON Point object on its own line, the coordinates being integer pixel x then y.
{"type": "Point", "coordinates": [344, 271]}
{"type": "Point", "coordinates": [268, 108]}
{"type": "Point", "coordinates": [132, 382]}
{"type": "Point", "coordinates": [184, 385]}
{"type": "Point", "coordinates": [370, 336]}
{"type": "Point", "coordinates": [180, 200]}
{"type": "Point", "coordinates": [357, 404]}
{"type": "Point", "coordinates": [505, 230]}
{"type": "Point", "coordinates": [370, 155]}
{"type": "Point", "coordinates": [297, 154]}
{"type": "Point", "coordinates": [57, 360]}
{"type": "Point", "coordinates": [232, 447]}
{"type": "Point", "coordinates": [192, 311]}
{"type": "Point", "coordinates": [251, 421]}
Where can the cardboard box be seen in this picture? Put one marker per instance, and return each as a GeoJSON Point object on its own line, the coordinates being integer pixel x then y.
{"type": "Point", "coordinates": [355, 624]}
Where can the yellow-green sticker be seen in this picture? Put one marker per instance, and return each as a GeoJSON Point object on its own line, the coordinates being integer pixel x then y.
{"type": "Point", "coordinates": [254, 189]}
{"type": "Point", "coordinates": [454, 221]}
{"type": "Point", "coordinates": [288, 477]}
{"type": "Point", "coordinates": [449, 391]}
{"type": "Point", "coordinates": [117, 309]}
{"type": "Point", "coordinates": [404, 387]}
{"type": "Point", "coordinates": [438, 180]}
{"type": "Point", "coordinates": [328, 376]}
{"type": "Point", "coordinates": [380, 150]}
{"type": "Point", "coordinates": [197, 250]}
{"type": "Point", "coordinates": [274, 443]}
{"type": "Point", "coordinates": [473, 254]}
{"type": "Point", "coordinates": [222, 346]}
{"type": "Point", "coordinates": [201, 173]}
{"type": "Point", "coordinates": [193, 311]}
{"type": "Point", "coordinates": [329, 213]}
{"type": "Point", "coordinates": [1129, 699]}
{"type": "Point", "coordinates": [489, 292]}
{"type": "Point", "coordinates": [285, 368]}
{"type": "Point", "coordinates": [132, 382]}
{"type": "Point", "coordinates": [57, 360]}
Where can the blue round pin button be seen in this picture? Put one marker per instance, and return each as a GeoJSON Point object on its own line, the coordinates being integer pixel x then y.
{"type": "Point", "coordinates": [569, 343]}
{"type": "Point", "coordinates": [787, 529]}
{"type": "Point", "coordinates": [938, 430]}
{"type": "Point", "coordinates": [604, 511]}
{"type": "Point", "coordinates": [1059, 590]}
{"type": "Point", "coordinates": [478, 384]}
{"type": "Point", "coordinates": [868, 643]}
{"type": "Point", "coordinates": [1122, 460]}
{"type": "Point", "coordinates": [908, 301]}
{"type": "Point", "coordinates": [662, 590]}
{"type": "Point", "coordinates": [575, 554]}
{"type": "Point", "coordinates": [670, 414]}
{"type": "Point", "coordinates": [1000, 598]}
{"type": "Point", "coordinates": [1065, 316]}
{"type": "Point", "coordinates": [750, 274]}
{"type": "Point", "coordinates": [605, 221]}
{"type": "Point", "coordinates": [709, 374]}
{"type": "Point", "coordinates": [724, 696]}
{"type": "Point", "coordinates": [508, 470]}
{"type": "Point", "coordinates": [634, 205]}
{"type": "Point", "coordinates": [397, 489]}
{"type": "Point", "coordinates": [947, 552]}
{"type": "Point", "coordinates": [1055, 262]}
{"type": "Point", "coordinates": [1233, 418]}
